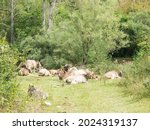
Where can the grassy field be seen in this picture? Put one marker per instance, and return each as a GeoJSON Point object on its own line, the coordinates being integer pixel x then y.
{"type": "Point", "coordinates": [94, 96]}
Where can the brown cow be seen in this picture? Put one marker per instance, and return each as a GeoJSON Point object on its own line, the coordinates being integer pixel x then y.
{"type": "Point", "coordinates": [61, 74]}
{"type": "Point", "coordinates": [72, 76]}
{"type": "Point", "coordinates": [67, 67]}
{"type": "Point", "coordinates": [24, 71]}
{"type": "Point", "coordinates": [91, 75]}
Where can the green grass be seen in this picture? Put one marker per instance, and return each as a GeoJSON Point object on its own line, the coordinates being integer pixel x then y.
{"type": "Point", "coordinates": [94, 96]}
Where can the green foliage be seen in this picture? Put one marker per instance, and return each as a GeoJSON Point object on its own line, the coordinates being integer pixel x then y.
{"type": "Point", "coordinates": [28, 19]}
{"type": "Point", "coordinates": [137, 77]}
{"type": "Point", "coordinates": [85, 33]}
{"type": "Point", "coordinates": [42, 49]}
{"type": "Point", "coordinates": [8, 86]}
{"type": "Point", "coordinates": [137, 26]}
{"type": "Point", "coordinates": [81, 34]}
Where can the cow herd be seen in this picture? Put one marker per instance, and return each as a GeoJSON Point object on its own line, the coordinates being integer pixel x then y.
{"type": "Point", "coordinates": [68, 73]}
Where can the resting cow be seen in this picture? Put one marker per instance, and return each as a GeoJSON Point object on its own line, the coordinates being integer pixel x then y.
{"type": "Point", "coordinates": [75, 79]}
{"type": "Point", "coordinates": [113, 74]}
{"type": "Point", "coordinates": [24, 71]}
{"type": "Point", "coordinates": [73, 76]}
{"type": "Point", "coordinates": [53, 72]}
{"type": "Point", "coordinates": [33, 65]}
{"type": "Point", "coordinates": [44, 72]}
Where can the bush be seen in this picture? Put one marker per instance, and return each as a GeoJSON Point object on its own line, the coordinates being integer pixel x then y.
{"type": "Point", "coordinates": [8, 86]}
{"type": "Point", "coordinates": [137, 26]}
{"type": "Point", "coordinates": [41, 48]}
{"type": "Point", "coordinates": [137, 77]}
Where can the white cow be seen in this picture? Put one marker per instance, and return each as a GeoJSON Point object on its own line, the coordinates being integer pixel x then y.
{"type": "Point", "coordinates": [113, 74]}
{"type": "Point", "coordinates": [75, 79]}
{"type": "Point", "coordinates": [33, 65]}
{"type": "Point", "coordinates": [44, 72]}
{"type": "Point", "coordinates": [53, 72]}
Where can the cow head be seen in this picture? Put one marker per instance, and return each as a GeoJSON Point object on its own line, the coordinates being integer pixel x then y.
{"type": "Point", "coordinates": [61, 74]}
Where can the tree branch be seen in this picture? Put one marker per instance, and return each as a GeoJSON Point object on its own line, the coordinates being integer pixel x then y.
{"type": "Point", "coordinates": [4, 10]}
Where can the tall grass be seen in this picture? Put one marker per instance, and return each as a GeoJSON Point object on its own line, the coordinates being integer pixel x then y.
{"type": "Point", "coordinates": [137, 77]}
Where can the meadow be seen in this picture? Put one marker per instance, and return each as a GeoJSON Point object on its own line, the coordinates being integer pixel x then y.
{"type": "Point", "coordinates": [98, 96]}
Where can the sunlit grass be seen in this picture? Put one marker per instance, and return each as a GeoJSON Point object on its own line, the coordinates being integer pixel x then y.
{"type": "Point", "coordinates": [94, 96]}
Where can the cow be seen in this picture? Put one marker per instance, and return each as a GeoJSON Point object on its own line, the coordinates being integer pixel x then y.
{"type": "Point", "coordinates": [53, 72]}
{"type": "Point", "coordinates": [72, 76]}
{"type": "Point", "coordinates": [62, 74]}
{"type": "Point", "coordinates": [113, 74]}
{"type": "Point", "coordinates": [91, 75]}
{"type": "Point", "coordinates": [33, 65]}
{"type": "Point", "coordinates": [24, 71]}
{"type": "Point", "coordinates": [85, 72]}
{"type": "Point", "coordinates": [67, 67]}
{"type": "Point", "coordinates": [75, 79]}
{"type": "Point", "coordinates": [44, 72]}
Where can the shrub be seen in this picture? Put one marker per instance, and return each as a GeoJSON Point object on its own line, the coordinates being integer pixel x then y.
{"type": "Point", "coordinates": [8, 86]}
{"type": "Point", "coordinates": [137, 77]}
{"type": "Point", "coordinates": [137, 26]}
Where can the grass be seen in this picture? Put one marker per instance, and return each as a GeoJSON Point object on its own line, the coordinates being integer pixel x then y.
{"type": "Point", "coordinates": [94, 96]}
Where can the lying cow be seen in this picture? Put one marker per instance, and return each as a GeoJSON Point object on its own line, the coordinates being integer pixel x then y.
{"type": "Point", "coordinates": [53, 72]}
{"type": "Point", "coordinates": [44, 72]}
{"type": "Point", "coordinates": [62, 74]}
{"type": "Point", "coordinates": [113, 74]}
{"type": "Point", "coordinates": [24, 71]}
{"type": "Point", "coordinates": [67, 67]}
{"type": "Point", "coordinates": [85, 72]}
{"type": "Point", "coordinates": [33, 65]}
{"type": "Point", "coordinates": [75, 79]}
{"type": "Point", "coordinates": [73, 76]}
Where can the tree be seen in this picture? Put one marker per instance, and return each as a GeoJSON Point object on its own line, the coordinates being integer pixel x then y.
{"type": "Point", "coordinates": [84, 31]}
{"type": "Point", "coordinates": [52, 4]}
{"type": "Point", "coordinates": [9, 8]}
{"type": "Point", "coordinates": [12, 22]}
{"type": "Point", "coordinates": [44, 14]}
{"type": "Point", "coordinates": [4, 16]}
{"type": "Point", "coordinates": [28, 19]}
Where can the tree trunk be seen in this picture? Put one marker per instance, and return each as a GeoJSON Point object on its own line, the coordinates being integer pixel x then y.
{"type": "Point", "coordinates": [44, 15]}
{"type": "Point", "coordinates": [51, 8]}
{"type": "Point", "coordinates": [119, 2]}
{"type": "Point", "coordinates": [12, 22]}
